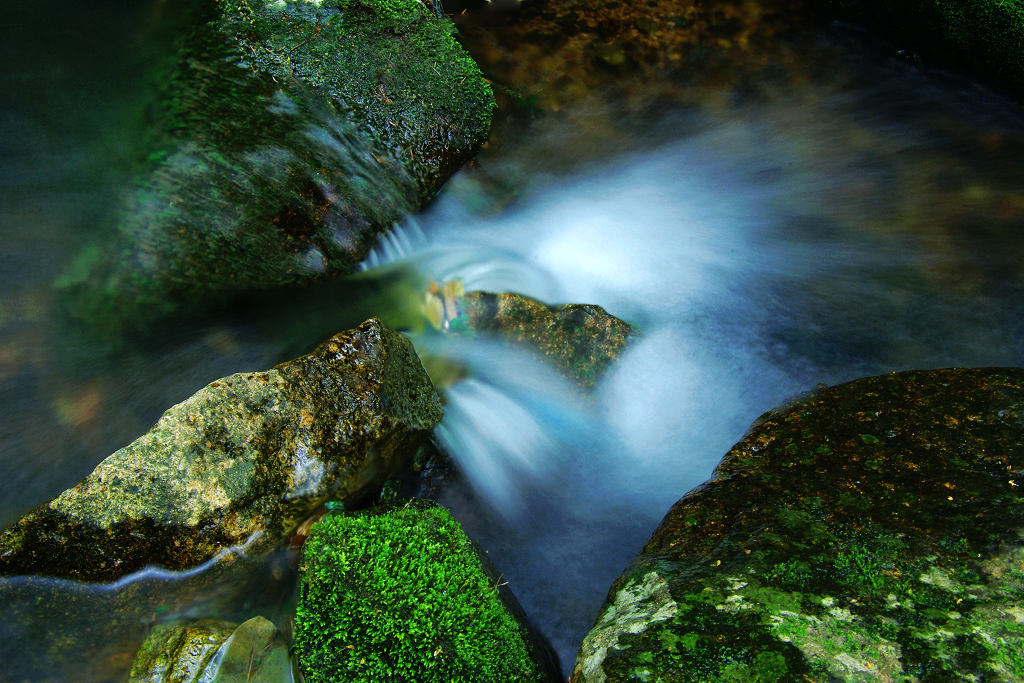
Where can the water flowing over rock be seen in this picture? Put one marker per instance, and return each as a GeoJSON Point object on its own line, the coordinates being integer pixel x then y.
{"type": "Point", "coordinates": [401, 593]}
{"type": "Point", "coordinates": [581, 340]}
{"type": "Point", "coordinates": [869, 531]}
{"type": "Point", "coordinates": [244, 460]}
{"type": "Point", "coordinates": [215, 651]}
{"type": "Point", "coordinates": [287, 134]}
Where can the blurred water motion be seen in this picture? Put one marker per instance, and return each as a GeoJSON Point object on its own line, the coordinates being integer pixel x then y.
{"type": "Point", "coordinates": [855, 221]}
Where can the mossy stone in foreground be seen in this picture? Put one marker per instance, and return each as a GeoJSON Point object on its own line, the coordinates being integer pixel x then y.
{"type": "Point", "coordinates": [982, 37]}
{"type": "Point", "coordinates": [402, 596]}
{"type": "Point", "coordinates": [581, 340]}
{"type": "Point", "coordinates": [870, 531]}
{"type": "Point", "coordinates": [244, 460]}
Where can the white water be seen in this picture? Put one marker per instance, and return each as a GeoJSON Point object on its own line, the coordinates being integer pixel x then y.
{"type": "Point", "coordinates": [757, 261]}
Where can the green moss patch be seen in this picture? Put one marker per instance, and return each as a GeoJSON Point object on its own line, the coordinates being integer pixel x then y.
{"type": "Point", "coordinates": [869, 531]}
{"type": "Point", "coordinates": [402, 596]}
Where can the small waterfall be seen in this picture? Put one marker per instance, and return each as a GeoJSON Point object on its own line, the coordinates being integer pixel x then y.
{"type": "Point", "coordinates": [513, 425]}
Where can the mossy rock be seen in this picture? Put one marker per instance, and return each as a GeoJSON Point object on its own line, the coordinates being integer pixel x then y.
{"type": "Point", "coordinates": [869, 531]}
{"type": "Point", "coordinates": [242, 462]}
{"type": "Point", "coordinates": [402, 595]}
{"type": "Point", "coordinates": [214, 651]}
{"type": "Point", "coordinates": [581, 340]}
{"type": "Point", "coordinates": [286, 136]}
{"type": "Point", "coordinates": [984, 38]}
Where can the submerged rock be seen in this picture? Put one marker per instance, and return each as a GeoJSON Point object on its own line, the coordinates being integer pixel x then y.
{"type": "Point", "coordinates": [244, 460]}
{"type": "Point", "coordinates": [869, 531]}
{"type": "Point", "coordinates": [288, 133]}
{"type": "Point", "coordinates": [215, 651]}
{"type": "Point", "coordinates": [581, 340]}
{"type": "Point", "coordinates": [402, 594]}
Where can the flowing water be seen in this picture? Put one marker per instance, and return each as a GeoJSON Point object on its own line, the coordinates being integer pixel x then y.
{"type": "Point", "coordinates": [856, 221]}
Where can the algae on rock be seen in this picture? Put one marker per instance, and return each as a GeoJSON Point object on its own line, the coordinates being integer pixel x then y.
{"type": "Point", "coordinates": [401, 594]}
{"type": "Point", "coordinates": [243, 461]}
{"type": "Point", "coordinates": [580, 340]}
{"type": "Point", "coordinates": [869, 531]}
{"type": "Point", "coordinates": [213, 651]}
{"type": "Point", "coordinates": [287, 135]}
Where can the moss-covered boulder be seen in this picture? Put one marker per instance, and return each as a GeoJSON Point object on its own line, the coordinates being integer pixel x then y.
{"type": "Point", "coordinates": [286, 135]}
{"type": "Point", "coordinates": [244, 460]}
{"type": "Point", "coordinates": [402, 595]}
{"type": "Point", "coordinates": [870, 531]}
{"type": "Point", "coordinates": [581, 340]}
{"type": "Point", "coordinates": [981, 37]}
{"type": "Point", "coordinates": [214, 651]}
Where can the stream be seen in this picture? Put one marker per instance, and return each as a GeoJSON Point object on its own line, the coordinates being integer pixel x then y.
{"type": "Point", "coordinates": [855, 221]}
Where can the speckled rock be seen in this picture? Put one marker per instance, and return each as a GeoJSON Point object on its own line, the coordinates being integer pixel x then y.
{"type": "Point", "coordinates": [871, 531]}
{"type": "Point", "coordinates": [581, 340]}
{"type": "Point", "coordinates": [244, 460]}
{"type": "Point", "coordinates": [214, 651]}
{"type": "Point", "coordinates": [179, 650]}
{"type": "Point", "coordinates": [286, 135]}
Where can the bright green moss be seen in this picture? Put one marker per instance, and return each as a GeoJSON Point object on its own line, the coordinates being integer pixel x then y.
{"type": "Point", "coordinates": [402, 596]}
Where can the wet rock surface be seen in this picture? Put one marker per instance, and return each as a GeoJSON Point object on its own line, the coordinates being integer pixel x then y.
{"type": "Point", "coordinates": [869, 531]}
{"type": "Point", "coordinates": [285, 136]}
{"type": "Point", "coordinates": [581, 340]}
{"type": "Point", "coordinates": [212, 650]}
{"type": "Point", "coordinates": [243, 461]}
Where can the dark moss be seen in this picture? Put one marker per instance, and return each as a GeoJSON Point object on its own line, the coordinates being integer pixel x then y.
{"type": "Point", "coordinates": [579, 339]}
{"type": "Point", "coordinates": [247, 458]}
{"type": "Point", "coordinates": [285, 137]}
{"type": "Point", "coordinates": [874, 527]}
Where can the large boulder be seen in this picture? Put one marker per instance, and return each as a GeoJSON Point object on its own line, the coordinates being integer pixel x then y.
{"type": "Point", "coordinates": [403, 594]}
{"type": "Point", "coordinates": [869, 531]}
{"type": "Point", "coordinates": [287, 134]}
{"type": "Point", "coordinates": [245, 460]}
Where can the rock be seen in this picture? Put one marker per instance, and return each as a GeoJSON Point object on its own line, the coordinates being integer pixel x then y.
{"type": "Point", "coordinates": [580, 340]}
{"type": "Point", "coordinates": [402, 594]}
{"type": "Point", "coordinates": [980, 37]}
{"type": "Point", "coordinates": [288, 133]}
{"type": "Point", "coordinates": [245, 460]}
{"type": "Point", "coordinates": [180, 650]}
{"type": "Point", "coordinates": [869, 531]}
{"type": "Point", "coordinates": [215, 651]}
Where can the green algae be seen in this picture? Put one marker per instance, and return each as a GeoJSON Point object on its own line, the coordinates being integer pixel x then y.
{"type": "Point", "coordinates": [391, 64]}
{"type": "Point", "coordinates": [283, 138]}
{"type": "Point", "coordinates": [892, 558]}
{"type": "Point", "coordinates": [581, 340]}
{"type": "Point", "coordinates": [401, 595]}
{"type": "Point", "coordinates": [240, 463]}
